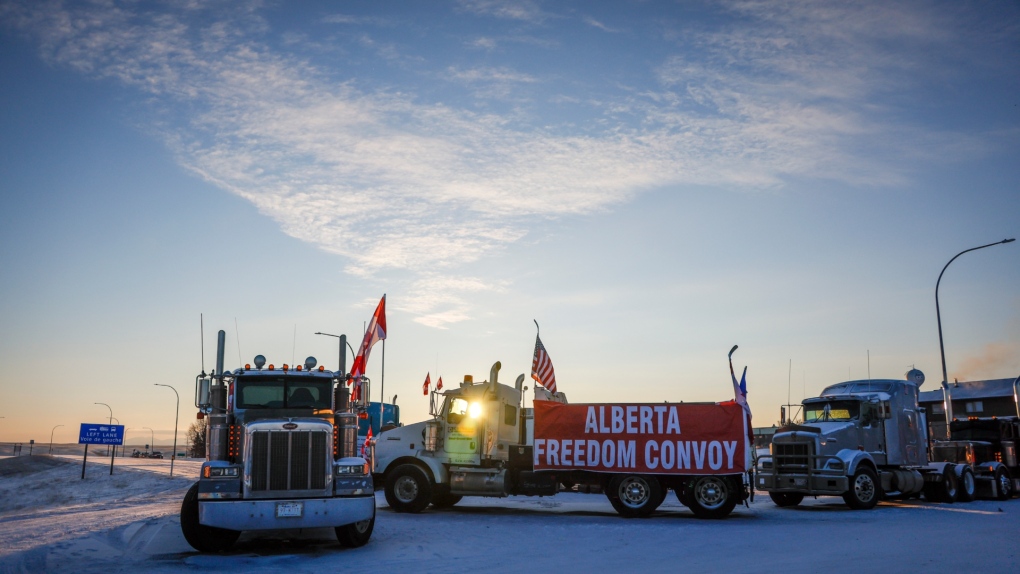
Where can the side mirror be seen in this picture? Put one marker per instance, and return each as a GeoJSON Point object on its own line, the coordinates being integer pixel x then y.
{"type": "Point", "coordinates": [202, 399]}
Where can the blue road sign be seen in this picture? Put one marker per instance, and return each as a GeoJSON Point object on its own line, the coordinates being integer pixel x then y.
{"type": "Point", "coordinates": [101, 434]}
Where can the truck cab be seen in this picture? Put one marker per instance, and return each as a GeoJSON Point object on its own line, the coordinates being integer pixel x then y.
{"type": "Point", "coordinates": [859, 440]}
{"type": "Point", "coordinates": [281, 454]}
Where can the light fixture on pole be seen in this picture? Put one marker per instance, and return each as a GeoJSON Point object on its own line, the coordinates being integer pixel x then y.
{"type": "Point", "coordinates": [111, 419]}
{"type": "Point", "coordinates": [343, 341]}
{"type": "Point", "coordinates": [173, 455]}
{"type": "Point", "coordinates": [947, 400]}
{"type": "Point", "coordinates": [51, 437]}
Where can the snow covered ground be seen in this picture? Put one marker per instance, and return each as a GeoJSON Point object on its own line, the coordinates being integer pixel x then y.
{"type": "Point", "coordinates": [52, 521]}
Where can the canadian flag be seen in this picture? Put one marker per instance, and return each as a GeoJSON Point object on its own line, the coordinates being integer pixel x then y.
{"type": "Point", "coordinates": [425, 386]}
{"type": "Point", "coordinates": [364, 445]}
{"type": "Point", "coordinates": [376, 332]}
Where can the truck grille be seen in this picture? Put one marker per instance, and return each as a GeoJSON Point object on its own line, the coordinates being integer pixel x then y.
{"type": "Point", "coordinates": [791, 457]}
{"type": "Point", "coordinates": [289, 460]}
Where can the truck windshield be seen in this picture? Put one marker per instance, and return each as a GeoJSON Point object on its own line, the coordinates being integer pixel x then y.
{"type": "Point", "coordinates": [831, 411]}
{"type": "Point", "coordinates": [283, 392]}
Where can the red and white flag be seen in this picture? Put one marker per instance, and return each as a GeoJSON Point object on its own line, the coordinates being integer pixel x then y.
{"type": "Point", "coordinates": [439, 384]}
{"type": "Point", "coordinates": [364, 445]}
{"type": "Point", "coordinates": [376, 332]}
{"type": "Point", "coordinates": [542, 367]}
{"type": "Point", "coordinates": [425, 386]}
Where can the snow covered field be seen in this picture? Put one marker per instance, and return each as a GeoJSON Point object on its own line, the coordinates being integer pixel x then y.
{"type": "Point", "coordinates": [52, 521]}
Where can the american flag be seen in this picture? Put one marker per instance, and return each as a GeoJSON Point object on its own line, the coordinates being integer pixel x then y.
{"type": "Point", "coordinates": [425, 387]}
{"type": "Point", "coordinates": [542, 368]}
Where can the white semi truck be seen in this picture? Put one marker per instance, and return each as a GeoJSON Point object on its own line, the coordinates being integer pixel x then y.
{"type": "Point", "coordinates": [861, 440]}
{"type": "Point", "coordinates": [480, 442]}
{"type": "Point", "coordinates": [281, 454]}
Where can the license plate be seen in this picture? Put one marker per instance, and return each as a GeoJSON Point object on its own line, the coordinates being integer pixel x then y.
{"type": "Point", "coordinates": [800, 482]}
{"type": "Point", "coordinates": [289, 509]}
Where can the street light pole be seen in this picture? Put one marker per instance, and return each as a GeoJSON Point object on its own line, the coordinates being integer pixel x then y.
{"type": "Point", "coordinates": [173, 455]}
{"type": "Point", "coordinates": [51, 437]}
{"type": "Point", "coordinates": [340, 358]}
{"type": "Point", "coordinates": [947, 400]}
{"type": "Point", "coordinates": [111, 419]}
{"type": "Point", "coordinates": [152, 439]}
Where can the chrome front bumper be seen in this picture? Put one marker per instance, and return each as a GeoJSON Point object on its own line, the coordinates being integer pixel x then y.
{"type": "Point", "coordinates": [264, 514]}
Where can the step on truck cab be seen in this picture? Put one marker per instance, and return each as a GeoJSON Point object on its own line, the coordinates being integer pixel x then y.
{"type": "Point", "coordinates": [860, 440]}
{"type": "Point", "coordinates": [480, 442]}
{"type": "Point", "coordinates": [281, 454]}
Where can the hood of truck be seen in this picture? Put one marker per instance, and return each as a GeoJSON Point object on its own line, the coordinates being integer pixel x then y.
{"type": "Point", "coordinates": [830, 437]}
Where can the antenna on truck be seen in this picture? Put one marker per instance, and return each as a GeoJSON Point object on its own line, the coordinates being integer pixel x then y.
{"type": "Point", "coordinates": [201, 337]}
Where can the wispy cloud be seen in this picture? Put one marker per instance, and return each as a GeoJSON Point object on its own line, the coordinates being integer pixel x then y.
{"type": "Point", "coordinates": [390, 182]}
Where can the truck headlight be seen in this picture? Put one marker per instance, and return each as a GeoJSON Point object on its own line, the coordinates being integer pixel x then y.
{"type": "Point", "coordinates": [348, 469]}
{"type": "Point", "coordinates": [222, 472]}
{"type": "Point", "coordinates": [835, 465]}
{"type": "Point", "coordinates": [766, 465]}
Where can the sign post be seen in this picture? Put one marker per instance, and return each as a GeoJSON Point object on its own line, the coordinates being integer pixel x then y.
{"type": "Point", "coordinates": [99, 434]}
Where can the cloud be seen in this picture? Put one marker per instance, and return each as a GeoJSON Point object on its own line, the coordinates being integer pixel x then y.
{"type": "Point", "coordinates": [394, 183]}
{"type": "Point", "coordinates": [593, 22]}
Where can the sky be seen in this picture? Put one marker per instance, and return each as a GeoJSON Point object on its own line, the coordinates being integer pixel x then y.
{"type": "Point", "coordinates": [652, 181]}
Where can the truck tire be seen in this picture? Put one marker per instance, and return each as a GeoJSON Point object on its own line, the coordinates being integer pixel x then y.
{"type": "Point", "coordinates": [1003, 484]}
{"type": "Point", "coordinates": [943, 487]}
{"type": "Point", "coordinates": [865, 490]}
{"type": "Point", "coordinates": [635, 495]}
{"type": "Point", "coordinates": [200, 537]}
{"type": "Point", "coordinates": [785, 499]}
{"type": "Point", "coordinates": [966, 482]}
{"type": "Point", "coordinates": [408, 489]}
{"type": "Point", "coordinates": [713, 497]}
{"type": "Point", "coordinates": [445, 500]}
{"type": "Point", "coordinates": [357, 534]}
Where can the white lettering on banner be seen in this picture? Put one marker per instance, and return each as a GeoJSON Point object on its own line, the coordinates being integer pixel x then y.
{"type": "Point", "coordinates": [674, 421]}
{"type": "Point", "coordinates": [651, 461]}
{"type": "Point", "coordinates": [699, 455]}
{"type": "Point", "coordinates": [665, 455]}
{"type": "Point", "coordinates": [552, 448]}
{"type": "Point", "coordinates": [646, 420]}
{"type": "Point", "coordinates": [715, 455]}
{"type": "Point", "coordinates": [632, 419]}
{"type": "Point", "coordinates": [731, 447]}
{"type": "Point", "coordinates": [617, 419]}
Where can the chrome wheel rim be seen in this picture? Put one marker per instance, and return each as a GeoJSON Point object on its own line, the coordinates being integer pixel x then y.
{"type": "Point", "coordinates": [864, 488]}
{"type": "Point", "coordinates": [406, 489]}
{"type": "Point", "coordinates": [634, 492]}
{"type": "Point", "coordinates": [710, 493]}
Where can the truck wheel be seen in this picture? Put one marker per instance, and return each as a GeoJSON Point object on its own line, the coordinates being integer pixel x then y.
{"type": "Point", "coordinates": [864, 490]}
{"type": "Point", "coordinates": [713, 497]}
{"type": "Point", "coordinates": [445, 500]}
{"type": "Point", "coordinates": [1003, 483]}
{"type": "Point", "coordinates": [966, 483]}
{"type": "Point", "coordinates": [356, 534]}
{"type": "Point", "coordinates": [784, 499]}
{"type": "Point", "coordinates": [200, 537]}
{"type": "Point", "coordinates": [943, 487]}
{"type": "Point", "coordinates": [635, 495]}
{"type": "Point", "coordinates": [408, 489]}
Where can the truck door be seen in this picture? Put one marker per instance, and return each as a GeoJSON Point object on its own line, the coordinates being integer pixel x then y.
{"type": "Point", "coordinates": [461, 444]}
{"type": "Point", "coordinates": [872, 435]}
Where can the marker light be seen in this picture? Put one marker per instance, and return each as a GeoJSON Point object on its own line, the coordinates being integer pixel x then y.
{"type": "Point", "coordinates": [297, 368]}
{"type": "Point", "coordinates": [270, 366]}
{"type": "Point", "coordinates": [475, 410]}
{"type": "Point", "coordinates": [322, 368]}
{"type": "Point", "coordinates": [285, 366]}
{"type": "Point", "coordinates": [247, 366]}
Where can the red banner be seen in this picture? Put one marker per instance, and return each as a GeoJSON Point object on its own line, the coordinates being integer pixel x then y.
{"type": "Point", "coordinates": [656, 438]}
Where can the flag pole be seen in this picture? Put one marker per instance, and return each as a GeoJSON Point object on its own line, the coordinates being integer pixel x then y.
{"type": "Point", "coordinates": [382, 386]}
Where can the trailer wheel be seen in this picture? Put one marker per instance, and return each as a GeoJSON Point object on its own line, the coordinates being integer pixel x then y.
{"type": "Point", "coordinates": [357, 534]}
{"type": "Point", "coordinates": [408, 489]}
{"type": "Point", "coordinates": [635, 495]}
{"type": "Point", "coordinates": [713, 497]}
{"type": "Point", "coordinates": [445, 500]}
{"type": "Point", "coordinates": [966, 483]}
{"type": "Point", "coordinates": [944, 486]}
{"type": "Point", "coordinates": [785, 499]}
{"type": "Point", "coordinates": [1003, 483]}
{"type": "Point", "coordinates": [200, 537]}
{"type": "Point", "coordinates": [864, 490]}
